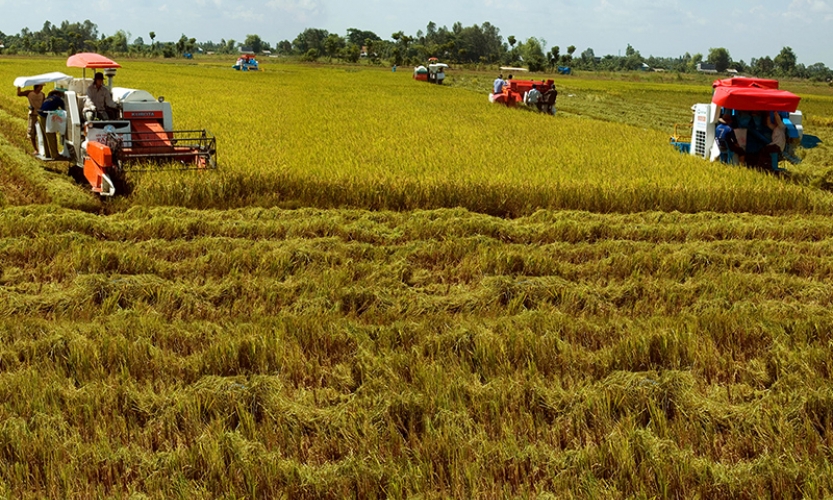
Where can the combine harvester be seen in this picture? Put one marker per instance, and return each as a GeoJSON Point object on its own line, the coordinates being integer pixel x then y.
{"type": "Point", "coordinates": [246, 62]}
{"type": "Point", "coordinates": [143, 133]}
{"type": "Point", "coordinates": [747, 100]}
{"type": "Point", "coordinates": [434, 73]}
{"type": "Point", "coordinates": [514, 91]}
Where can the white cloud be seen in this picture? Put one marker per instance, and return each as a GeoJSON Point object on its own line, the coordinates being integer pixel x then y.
{"type": "Point", "coordinates": [299, 10]}
{"type": "Point", "coordinates": [243, 15]}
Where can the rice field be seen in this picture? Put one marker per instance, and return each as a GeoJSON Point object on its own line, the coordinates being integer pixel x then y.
{"type": "Point", "coordinates": [396, 290]}
{"type": "Point", "coordinates": [345, 137]}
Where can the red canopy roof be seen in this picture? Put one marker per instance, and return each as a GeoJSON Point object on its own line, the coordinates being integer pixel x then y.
{"type": "Point", "coordinates": [91, 60]}
{"type": "Point", "coordinates": [755, 99]}
{"type": "Point", "coordinates": [741, 81]}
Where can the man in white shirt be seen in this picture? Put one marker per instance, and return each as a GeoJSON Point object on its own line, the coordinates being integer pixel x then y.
{"type": "Point", "coordinates": [533, 97]}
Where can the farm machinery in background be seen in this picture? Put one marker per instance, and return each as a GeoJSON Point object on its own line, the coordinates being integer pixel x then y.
{"type": "Point", "coordinates": [246, 62]}
{"type": "Point", "coordinates": [99, 151]}
{"type": "Point", "coordinates": [433, 73]}
{"type": "Point", "coordinates": [746, 100]}
{"type": "Point", "coordinates": [515, 90]}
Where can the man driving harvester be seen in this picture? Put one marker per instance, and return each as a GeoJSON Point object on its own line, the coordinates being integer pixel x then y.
{"type": "Point", "coordinates": [100, 104]}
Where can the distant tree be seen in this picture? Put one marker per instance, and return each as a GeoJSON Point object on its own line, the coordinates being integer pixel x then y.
{"type": "Point", "coordinates": [819, 72]}
{"type": "Point", "coordinates": [720, 58]}
{"type": "Point", "coordinates": [180, 45]}
{"type": "Point", "coordinates": [512, 41]}
{"type": "Point", "coordinates": [254, 42]}
{"type": "Point", "coordinates": [588, 59]}
{"type": "Point", "coordinates": [310, 55]}
{"type": "Point", "coordinates": [138, 45]}
{"type": "Point", "coordinates": [310, 38]}
{"type": "Point", "coordinates": [762, 67]}
{"type": "Point", "coordinates": [694, 61]}
{"type": "Point", "coordinates": [375, 48]}
{"type": "Point", "coordinates": [333, 44]}
{"type": "Point", "coordinates": [567, 59]}
{"type": "Point", "coordinates": [430, 31]}
{"type": "Point", "coordinates": [351, 53]}
{"type": "Point", "coordinates": [152, 36]}
{"type": "Point", "coordinates": [284, 47]}
{"type": "Point", "coordinates": [118, 42]}
{"type": "Point", "coordinates": [532, 52]}
{"type": "Point", "coordinates": [785, 61]}
{"type": "Point", "coordinates": [358, 37]}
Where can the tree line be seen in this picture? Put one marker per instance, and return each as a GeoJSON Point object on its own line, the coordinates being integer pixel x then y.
{"type": "Point", "coordinates": [470, 45]}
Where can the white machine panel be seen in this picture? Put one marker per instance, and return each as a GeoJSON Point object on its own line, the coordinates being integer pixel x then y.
{"type": "Point", "coordinates": [702, 130]}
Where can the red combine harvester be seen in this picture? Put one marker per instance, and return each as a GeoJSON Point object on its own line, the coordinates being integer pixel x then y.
{"type": "Point", "coordinates": [142, 133]}
{"type": "Point", "coordinates": [515, 90]}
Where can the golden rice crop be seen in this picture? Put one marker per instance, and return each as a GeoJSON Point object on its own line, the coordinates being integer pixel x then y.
{"type": "Point", "coordinates": [329, 136]}
{"type": "Point", "coordinates": [161, 351]}
{"type": "Point", "coordinates": [328, 353]}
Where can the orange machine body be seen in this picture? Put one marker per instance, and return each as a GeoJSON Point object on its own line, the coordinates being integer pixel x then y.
{"type": "Point", "coordinates": [97, 163]}
{"type": "Point", "coordinates": [514, 90]}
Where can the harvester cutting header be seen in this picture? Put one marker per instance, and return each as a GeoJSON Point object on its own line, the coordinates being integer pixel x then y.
{"type": "Point", "coordinates": [133, 128]}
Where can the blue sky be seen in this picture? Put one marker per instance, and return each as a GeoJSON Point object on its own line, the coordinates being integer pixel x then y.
{"type": "Point", "coordinates": [667, 28]}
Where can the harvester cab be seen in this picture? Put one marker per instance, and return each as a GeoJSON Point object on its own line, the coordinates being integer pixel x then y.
{"type": "Point", "coordinates": [142, 134]}
{"type": "Point", "coordinates": [746, 102]}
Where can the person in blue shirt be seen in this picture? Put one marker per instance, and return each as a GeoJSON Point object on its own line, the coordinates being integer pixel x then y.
{"type": "Point", "coordinates": [499, 84]}
{"type": "Point", "coordinates": [54, 101]}
{"type": "Point", "coordinates": [725, 137]}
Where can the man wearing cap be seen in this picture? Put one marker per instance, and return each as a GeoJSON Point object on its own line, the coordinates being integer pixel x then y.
{"type": "Point", "coordinates": [36, 98]}
{"type": "Point", "coordinates": [100, 104]}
